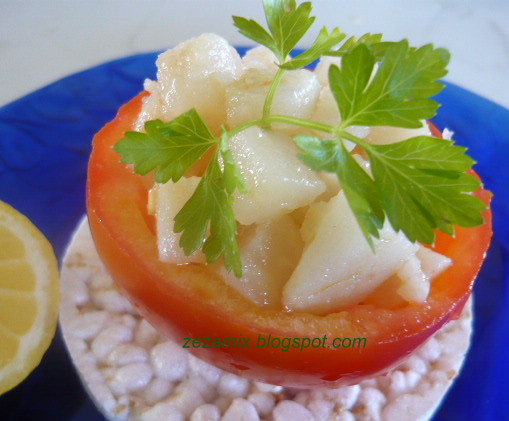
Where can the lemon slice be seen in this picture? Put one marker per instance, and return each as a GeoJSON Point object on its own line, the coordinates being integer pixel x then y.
{"type": "Point", "coordinates": [28, 296]}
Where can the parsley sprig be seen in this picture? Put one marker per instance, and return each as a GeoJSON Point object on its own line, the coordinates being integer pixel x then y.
{"type": "Point", "coordinates": [420, 184]}
{"type": "Point", "coordinates": [211, 208]}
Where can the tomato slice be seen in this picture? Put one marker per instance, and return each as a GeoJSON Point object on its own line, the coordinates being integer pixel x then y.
{"type": "Point", "coordinates": [189, 301]}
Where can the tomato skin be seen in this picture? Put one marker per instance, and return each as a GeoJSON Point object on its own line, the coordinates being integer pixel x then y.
{"type": "Point", "coordinates": [190, 302]}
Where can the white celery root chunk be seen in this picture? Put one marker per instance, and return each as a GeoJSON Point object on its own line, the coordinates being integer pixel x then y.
{"type": "Point", "coordinates": [326, 110]}
{"type": "Point", "coordinates": [418, 271]}
{"type": "Point", "coordinates": [165, 201]}
{"type": "Point", "coordinates": [269, 253]}
{"type": "Point", "coordinates": [338, 268]}
{"type": "Point", "coordinates": [296, 96]}
{"type": "Point", "coordinates": [432, 263]}
{"type": "Point", "coordinates": [278, 181]}
{"type": "Point", "coordinates": [260, 58]}
{"type": "Point", "coordinates": [192, 75]}
{"type": "Point", "coordinates": [415, 286]}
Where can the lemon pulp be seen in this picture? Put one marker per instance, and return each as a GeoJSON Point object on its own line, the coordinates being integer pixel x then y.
{"type": "Point", "coordinates": [28, 296]}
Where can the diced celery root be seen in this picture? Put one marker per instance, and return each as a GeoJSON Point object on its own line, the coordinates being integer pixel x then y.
{"type": "Point", "coordinates": [312, 221]}
{"type": "Point", "coordinates": [300, 244]}
{"type": "Point", "coordinates": [322, 68]}
{"type": "Point", "coordinates": [326, 111]}
{"type": "Point", "coordinates": [192, 75]}
{"type": "Point", "coordinates": [338, 268]}
{"type": "Point", "coordinates": [260, 58]}
{"type": "Point", "coordinates": [412, 281]}
{"type": "Point", "coordinates": [296, 96]}
{"type": "Point", "coordinates": [278, 181]}
{"type": "Point", "coordinates": [269, 254]}
{"type": "Point", "coordinates": [166, 201]}
{"type": "Point", "coordinates": [432, 263]}
{"type": "Point", "coordinates": [332, 186]}
{"type": "Point", "coordinates": [415, 285]}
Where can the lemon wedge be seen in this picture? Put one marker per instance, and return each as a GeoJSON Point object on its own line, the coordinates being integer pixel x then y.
{"type": "Point", "coordinates": [29, 295]}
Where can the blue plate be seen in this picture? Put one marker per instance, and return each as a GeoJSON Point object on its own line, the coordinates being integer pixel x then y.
{"type": "Point", "coordinates": [45, 141]}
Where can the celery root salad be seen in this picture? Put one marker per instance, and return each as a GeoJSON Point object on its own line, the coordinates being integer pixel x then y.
{"type": "Point", "coordinates": [253, 198]}
{"type": "Point", "coordinates": [305, 190]}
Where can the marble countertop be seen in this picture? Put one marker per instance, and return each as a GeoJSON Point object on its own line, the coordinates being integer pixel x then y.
{"type": "Point", "coordinates": [42, 41]}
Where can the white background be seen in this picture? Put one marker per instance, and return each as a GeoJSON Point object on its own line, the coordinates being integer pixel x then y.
{"type": "Point", "coordinates": [42, 41]}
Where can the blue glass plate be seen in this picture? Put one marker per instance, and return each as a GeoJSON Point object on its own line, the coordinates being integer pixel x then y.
{"type": "Point", "coordinates": [45, 140]}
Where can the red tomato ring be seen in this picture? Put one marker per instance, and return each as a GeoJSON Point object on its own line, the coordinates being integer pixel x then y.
{"type": "Point", "coordinates": [189, 301]}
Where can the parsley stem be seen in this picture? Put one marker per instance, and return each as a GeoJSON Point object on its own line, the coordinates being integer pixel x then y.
{"type": "Point", "coordinates": [300, 122]}
{"type": "Point", "coordinates": [272, 91]}
{"type": "Point", "coordinates": [295, 121]}
{"type": "Point", "coordinates": [241, 127]}
{"type": "Point", "coordinates": [349, 136]}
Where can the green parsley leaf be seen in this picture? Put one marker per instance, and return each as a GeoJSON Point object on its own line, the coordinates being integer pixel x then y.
{"type": "Point", "coordinates": [253, 30]}
{"type": "Point", "coordinates": [323, 43]}
{"type": "Point", "coordinates": [398, 93]}
{"type": "Point", "coordinates": [419, 183]}
{"type": "Point", "coordinates": [330, 155]}
{"type": "Point", "coordinates": [233, 179]}
{"type": "Point", "coordinates": [349, 83]}
{"type": "Point", "coordinates": [287, 25]}
{"type": "Point", "coordinates": [170, 148]}
{"type": "Point", "coordinates": [372, 41]}
{"type": "Point", "coordinates": [210, 209]}
{"type": "Point", "coordinates": [423, 186]}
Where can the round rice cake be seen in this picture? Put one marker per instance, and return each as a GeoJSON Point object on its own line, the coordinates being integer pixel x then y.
{"type": "Point", "coordinates": [134, 373]}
